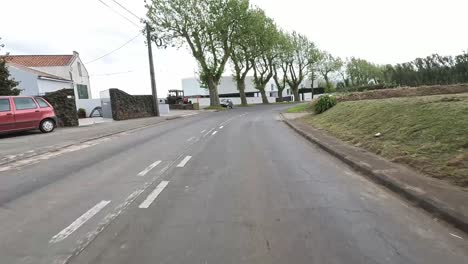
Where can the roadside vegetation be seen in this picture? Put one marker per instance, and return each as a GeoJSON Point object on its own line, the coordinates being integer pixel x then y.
{"type": "Point", "coordinates": [300, 108]}
{"type": "Point", "coordinates": [403, 92]}
{"type": "Point", "coordinates": [219, 108]}
{"type": "Point", "coordinates": [7, 85]}
{"type": "Point", "coordinates": [429, 133]}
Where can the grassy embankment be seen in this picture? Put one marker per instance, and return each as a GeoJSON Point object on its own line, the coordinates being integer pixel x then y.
{"type": "Point", "coordinates": [429, 133]}
{"type": "Point", "coordinates": [300, 108]}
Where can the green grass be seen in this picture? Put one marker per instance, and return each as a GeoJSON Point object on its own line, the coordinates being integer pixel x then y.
{"type": "Point", "coordinates": [428, 133]}
{"type": "Point", "coordinates": [215, 108]}
{"type": "Point", "coordinates": [301, 108]}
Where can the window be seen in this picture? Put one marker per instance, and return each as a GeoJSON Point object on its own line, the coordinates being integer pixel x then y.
{"type": "Point", "coordinates": [5, 105]}
{"type": "Point", "coordinates": [288, 92]}
{"type": "Point", "coordinates": [82, 91]}
{"type": "Point", "coordinates": [42, 103]}
{"type": "Point", "coordinates": [23, 103]}
{"type": "Point", "coordinates": [79, 69]}
{"type": "Point", "coordinates": [272, 87]}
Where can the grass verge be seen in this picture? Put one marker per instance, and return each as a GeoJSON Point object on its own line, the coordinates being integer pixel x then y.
{"type": "Point", "coordinates": [428, 133]}
{"type": "Point", "coordinates": [220, 108]}
{"type": "Point", "coordinates": [300, 108]}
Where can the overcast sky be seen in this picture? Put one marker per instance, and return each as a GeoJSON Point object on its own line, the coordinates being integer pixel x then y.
{"type": "Point", "coordinates": [382, 31]}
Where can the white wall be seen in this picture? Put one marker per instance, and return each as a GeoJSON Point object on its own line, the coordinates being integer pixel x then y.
{"type": "Point", "coordinates": [88, 104]}
{"type": "Point", "coordinates": [227, 85]}
{"type": "Point", "coordinates": [236, 100]}
{"type": "Point", "coordinates": [64, 72]}
{"type": "Point", "coordinates": [27, 81]}
{"type": "Point", "coordinates": [48, 86]}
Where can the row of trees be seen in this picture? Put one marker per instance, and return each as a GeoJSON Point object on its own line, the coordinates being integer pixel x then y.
{"type": "Point", "coordinates": [219, 32]}
{"type": "Point", "coordinates": [222, 32]}
{"type": "Point", "coordinates": [431, 70]}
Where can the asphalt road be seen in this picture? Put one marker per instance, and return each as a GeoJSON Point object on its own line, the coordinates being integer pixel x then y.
{"type": "Point", "coordinates": [230, 187]}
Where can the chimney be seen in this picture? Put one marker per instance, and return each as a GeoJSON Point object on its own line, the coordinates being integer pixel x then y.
{"type": "Point", "coordinates": [76, 54]}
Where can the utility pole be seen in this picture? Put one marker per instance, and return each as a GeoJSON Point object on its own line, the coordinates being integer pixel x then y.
{"type": "Point", "coordinates": [153, 80]}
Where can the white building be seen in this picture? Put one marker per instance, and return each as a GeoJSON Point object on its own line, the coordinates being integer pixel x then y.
{"type": "Point", "coordinates": [41, 74]}
{"type": "Point", "coordinates": [228, 89]}
{"type": "Point", "coordinates": [33, 82]}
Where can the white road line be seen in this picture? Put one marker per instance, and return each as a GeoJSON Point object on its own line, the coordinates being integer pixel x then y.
{"type": "Point", "coordinates": [192, 138]}
{"type": "Point", "coordinates": [221, 127]}
{"type": "Point", "coordinates": [203, 131]}
{"type": "Point", "coordinates": [214, 133]}
{"type": "Point", "coordinates": [152, 196]}
{"type": "Point", "coordinates": [209, 132]}
{"type": "Point", "coordinates": [79, 222]}
{"type": "Point", "coordinates": [149, 168]}
{"type": "Point", "coordinates": [456, 236]}
{"type": "Point", "coordinates": [184, 162]}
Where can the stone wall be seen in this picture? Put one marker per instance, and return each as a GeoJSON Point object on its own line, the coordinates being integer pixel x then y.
{"type": "Point", "coordinates": [125, 106]}
{"type": "Point", "coordinates": [195, 106]}
{"type": "Point", "coordinates": [64, 105]}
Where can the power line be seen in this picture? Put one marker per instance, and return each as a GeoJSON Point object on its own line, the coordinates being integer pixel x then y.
{"type": "Point", "coordinates": [124, 17]}
{"type": "Point", "coordinates": [126, 9]}
{"type": "Point", "coordinates": [125, 44]}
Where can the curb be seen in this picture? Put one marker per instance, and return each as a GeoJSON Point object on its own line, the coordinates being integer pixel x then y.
{"type": "Point", "coordinates": [2, 163]}
{"type": "Point", "coordinates": [435, 208]}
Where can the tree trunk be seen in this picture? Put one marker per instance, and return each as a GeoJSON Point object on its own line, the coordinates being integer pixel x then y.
{"type": "Point", "coordinates": [296, 93]}
{"type": "Point", "coordinates": [327, 83]}
{"type": "Point", "coordinates": [280, 95]}
{"type": "Point", "coordinates": [264, 96]}
{"type": "Point", "coordinates": [241, 88]}
{"type": "Point", "coordinates": [213, 89]}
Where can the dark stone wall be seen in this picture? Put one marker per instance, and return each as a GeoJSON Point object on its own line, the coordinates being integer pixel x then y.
{"type": "Point", "coordinates": [64, 107]}
{"type": "Point", "coordinates": [125, 106]}
{"type": "Point", "coordinates": [185, 107]}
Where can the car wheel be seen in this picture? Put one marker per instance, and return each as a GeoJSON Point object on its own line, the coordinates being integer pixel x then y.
{"type": "Point", "coordinates": [47, 126]}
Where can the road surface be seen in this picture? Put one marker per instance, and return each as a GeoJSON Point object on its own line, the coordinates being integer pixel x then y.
{"type": "Point", "coordinates": [230, 187]}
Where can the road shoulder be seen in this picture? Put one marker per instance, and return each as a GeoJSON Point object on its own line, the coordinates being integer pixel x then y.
{"type": "Point", "coordinates": [440, 199]}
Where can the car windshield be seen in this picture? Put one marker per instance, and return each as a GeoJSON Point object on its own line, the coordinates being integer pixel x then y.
{"type": "Point", "coordinates": [234, 132]}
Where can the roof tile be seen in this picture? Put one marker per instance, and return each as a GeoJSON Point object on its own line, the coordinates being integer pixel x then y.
{"type": "Point", "coordinates": [40, 60]}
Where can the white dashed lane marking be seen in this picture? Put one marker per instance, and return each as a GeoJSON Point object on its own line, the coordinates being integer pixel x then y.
{"type": "Point", "coordinates": [459, 237]}
{"type": "Point", "coordinates": [209, 132]}
{"type": "Point", "coordinates": [149, 168]}
{"type": "Point", "coordinates": [184, 162]}
{"type": "Point", "coordinates": [153, 195]}
{"type": "Point", "coordinates": [214, 133]}
{"type": "Point", "coordinates": [79, 222]}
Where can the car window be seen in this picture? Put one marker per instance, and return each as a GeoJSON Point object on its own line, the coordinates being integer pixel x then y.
{"type": "Point", "coordinates": [23, 103]}
{"type": "Point", "coordinates": [5, 105]}
{"type": "Point", "coordinates": [42, 103]}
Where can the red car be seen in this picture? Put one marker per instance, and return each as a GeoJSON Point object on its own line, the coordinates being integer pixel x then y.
{"type": "Point", "coordinates": [19, 113]}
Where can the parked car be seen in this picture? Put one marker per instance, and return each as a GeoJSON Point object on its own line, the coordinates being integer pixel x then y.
{"type": "Point", "coordinates": [227, 103]}
{"type": "Point", "coordinates": [20, 113]}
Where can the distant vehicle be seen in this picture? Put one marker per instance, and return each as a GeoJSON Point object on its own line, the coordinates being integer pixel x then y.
{"type": "Point", "coordinates": [227, 103]}
{"type": "Point", "coordinates": [20, 113]}
{"type": "Point", "coordinates": [177, 97]}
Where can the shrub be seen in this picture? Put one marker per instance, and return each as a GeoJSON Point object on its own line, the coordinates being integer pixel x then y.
{"type": "Point", "coordinates": [324, 103]}
{"type": "Point", "coordinates": [81, 113]}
